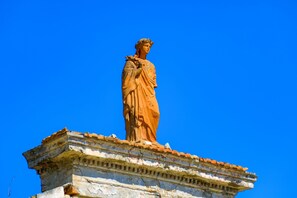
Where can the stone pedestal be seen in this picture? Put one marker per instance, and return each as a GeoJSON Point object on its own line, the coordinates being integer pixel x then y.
{"type": "Point", "coordinates": [83, 165]}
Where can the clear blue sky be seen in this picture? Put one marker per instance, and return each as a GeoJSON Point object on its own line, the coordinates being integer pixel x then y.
{"type": "Point", "coordinates": [226, 70]}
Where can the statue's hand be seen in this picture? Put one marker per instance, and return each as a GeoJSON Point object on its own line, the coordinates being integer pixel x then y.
{"type": "Point", "coordinates": [138, 63]}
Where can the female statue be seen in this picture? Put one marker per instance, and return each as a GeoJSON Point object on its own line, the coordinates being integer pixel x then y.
{"type": "Point", "coordinates": [141, 111]}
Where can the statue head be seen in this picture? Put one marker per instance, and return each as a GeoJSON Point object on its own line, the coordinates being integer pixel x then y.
{"type": "Point", "coordinates": [140, 43]}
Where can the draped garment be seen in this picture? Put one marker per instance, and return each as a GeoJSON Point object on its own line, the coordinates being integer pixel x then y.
{"type": "Point", "coordinates": [141, 110]}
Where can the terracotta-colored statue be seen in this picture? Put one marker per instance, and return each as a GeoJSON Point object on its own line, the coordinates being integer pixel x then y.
{"type": "Point", "coordinates": [141, 110]}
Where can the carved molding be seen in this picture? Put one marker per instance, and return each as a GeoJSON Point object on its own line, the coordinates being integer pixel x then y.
{"type": "Point", "coordinates": [70, 151]}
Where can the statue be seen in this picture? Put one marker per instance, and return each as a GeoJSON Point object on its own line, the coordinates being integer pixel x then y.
{"type": "Point", "coordinates": [141, 110]}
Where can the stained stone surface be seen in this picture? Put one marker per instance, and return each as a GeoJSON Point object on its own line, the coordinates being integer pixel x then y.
{"type": "Point", "coordinates": [72, 164]}
{"type": "Point", "coordinates": [54, 193]}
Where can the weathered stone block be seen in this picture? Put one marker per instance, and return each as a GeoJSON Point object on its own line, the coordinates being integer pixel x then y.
{"type": "Point", "coordinates": [90, 165]}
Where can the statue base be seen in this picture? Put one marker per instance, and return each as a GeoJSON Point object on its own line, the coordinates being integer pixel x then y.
{"type": "Point", "coordinates": [73, 164]}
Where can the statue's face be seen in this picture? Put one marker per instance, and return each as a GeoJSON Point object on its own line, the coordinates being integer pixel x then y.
{"type": "Point", "coordinates": [145, 48]}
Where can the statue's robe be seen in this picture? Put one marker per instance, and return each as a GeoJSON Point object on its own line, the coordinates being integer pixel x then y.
{"type": "Point", "coordinates": [141, 110]}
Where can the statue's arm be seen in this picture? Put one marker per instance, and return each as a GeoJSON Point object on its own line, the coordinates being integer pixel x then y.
{"type": "Point", "coordinates": [129, 77]}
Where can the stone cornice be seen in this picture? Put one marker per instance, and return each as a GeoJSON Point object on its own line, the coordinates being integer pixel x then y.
{"type": "Point", "coordinates": [87, 150]}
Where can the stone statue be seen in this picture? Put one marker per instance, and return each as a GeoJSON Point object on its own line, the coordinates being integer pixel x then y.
{"type": "Point", "coordinates": [141, 110]}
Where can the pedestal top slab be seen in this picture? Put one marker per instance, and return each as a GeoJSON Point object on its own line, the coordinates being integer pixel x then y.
{"type": "Point", "coordinates": [140, 159]}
